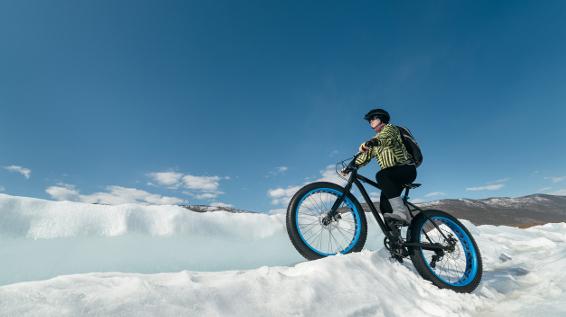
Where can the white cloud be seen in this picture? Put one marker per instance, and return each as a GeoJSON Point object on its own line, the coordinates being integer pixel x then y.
{"type": "Point", "coordinates": [114, 195]}
{"type": "Point", "coordinates": [201, 183]}
{"type": "Point", "coordinates": [556, 179]}
{"type": "Point", "coordinates": [169, 179]}
{"type": "Point", "coordinates": [329, 175]}
{"type": "Point", "coordinates": [199, 187]}
{"type": "Point", "coordinates": [278, 170]}
{"type": "Point", "coordinates": [333, 153]}
{"type": "Point", "coordinates": [435, 194]}
{"type": "Point", "coordinates": [282, 196]}
{"type": "Point", "coordinates": [417, 200]}
{"type": "Point", "coordinates": [486, 187]}
{"type": "Point", "coordinates": [496, 185]}
{"type": "Point", "coordinates": [63, 192]}
{"type": "Point", "coordinates": [544, 189]}
{"type": "Point", "coordinates": [282, 169]}
{"type": "Point", "coordinates": [502, 180]}
{"type": "Point", "coordinates": [204, 195]}
{"type": "Point", "coordinates": [26, 172]}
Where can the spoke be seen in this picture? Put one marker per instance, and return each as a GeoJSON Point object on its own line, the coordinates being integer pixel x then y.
{"type": "Point", "coordinates": [322, 194]}
{"type": "Point", "coordinates": [330, 240]}
{"type": "Point", "coordinates": [450, 268]}
{"type": "Point", "coordinates": [305, 213]}
{"type": "Point", "coordinates": [309, 207]}
{"type": "Point", "coordinates": [338, 243]}
{"type": "Point", "coordinates": [308, 211]}
{"type": "Point", "coordinates": [307, 221]}
{"type": "Point", "coordinates": [320, 239]}
{"type": "Point", "coordinates": [342, 233]}
{"type": "Point", "coordinates": [458, 266]}
{"type": "Point", "coordinates": [308, 230]}
{"type": "Point", "coordinates": [348, 220]}
{"type": "Point", "coordinates": [314, 235]}
{"type": "Point", "coordinates": [315, 203]}
{"type": "Point", "coordinates": [349, 230]}
{"type": "Point", "coordinates": [322, 203]}
{"type": "Point", "coordinates": [314, 223]}
{"type": "Point", "coordinates": [310, 217]}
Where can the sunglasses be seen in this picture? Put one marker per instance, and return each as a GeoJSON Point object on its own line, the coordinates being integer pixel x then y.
{"type": "Point", "coordinates": [373, 118]}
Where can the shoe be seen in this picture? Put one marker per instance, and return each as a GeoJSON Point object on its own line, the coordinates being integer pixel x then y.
{"type": "Point", "coordinates": [400, 212]}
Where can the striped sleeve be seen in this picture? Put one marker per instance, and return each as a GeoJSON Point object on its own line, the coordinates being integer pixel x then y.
{"type": "Point", "coordinates": [364, 158]}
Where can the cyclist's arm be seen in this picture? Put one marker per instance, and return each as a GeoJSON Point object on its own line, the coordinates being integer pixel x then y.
{"type": "Point", "coordinates": [364, 158]}
{"type": "Point", "coordinates": [384, 138]}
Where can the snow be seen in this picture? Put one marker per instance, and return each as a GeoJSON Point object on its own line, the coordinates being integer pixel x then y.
{"type": "Point", "coordinates": [76, 259]}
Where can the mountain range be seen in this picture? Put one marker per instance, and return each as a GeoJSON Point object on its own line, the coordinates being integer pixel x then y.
{"type": "Point", "coordinates": [525, 211]}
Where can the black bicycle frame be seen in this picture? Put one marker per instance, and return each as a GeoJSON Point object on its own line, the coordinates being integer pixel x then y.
{"type": "Point", "coordinates": [357, 179]}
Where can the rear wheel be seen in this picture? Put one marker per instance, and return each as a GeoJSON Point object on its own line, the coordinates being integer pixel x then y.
{"type": "Point", "coordinates": [459, 265]}
{"type": "Point", "coordinates": [312, 235]}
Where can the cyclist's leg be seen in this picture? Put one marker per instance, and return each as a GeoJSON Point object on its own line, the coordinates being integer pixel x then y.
{"type": "Point", "coordinates": [390, 188]}
{"type": "Point", "coordinates": [391, 181]}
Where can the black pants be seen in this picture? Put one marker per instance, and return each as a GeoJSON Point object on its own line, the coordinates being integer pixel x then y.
{"type": "Point", "coordinates": [391, 181]}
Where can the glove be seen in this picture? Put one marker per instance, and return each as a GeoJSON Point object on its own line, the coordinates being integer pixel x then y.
{"type": "Point", "coordinates": [371, 143]}
{"type": "Point", "coordinates": [345, 171]}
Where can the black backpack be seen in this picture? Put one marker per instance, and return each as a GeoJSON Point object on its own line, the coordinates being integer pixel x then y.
{"type": "Point", "coordinates": [411, 145]}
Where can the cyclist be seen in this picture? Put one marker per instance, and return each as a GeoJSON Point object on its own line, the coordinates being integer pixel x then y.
{"type": "Point", "coordinates": [397, 165]}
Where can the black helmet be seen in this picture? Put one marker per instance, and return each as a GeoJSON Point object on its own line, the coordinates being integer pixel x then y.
{"type": "Point", "coordinates": [379, 113]}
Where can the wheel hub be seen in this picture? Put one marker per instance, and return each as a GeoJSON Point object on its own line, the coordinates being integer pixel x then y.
{"type": "Point", "coordinates": [326, 220]}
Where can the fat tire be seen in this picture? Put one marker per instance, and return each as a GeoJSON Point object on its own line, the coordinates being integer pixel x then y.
{"type": "Point", "coordinates": [292, 229]}
{"type": "Point", "coordinates": [419, 261]}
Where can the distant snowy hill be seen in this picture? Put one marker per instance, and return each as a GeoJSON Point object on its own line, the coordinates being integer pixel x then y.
{"type": "Point", "coordinates": [76, 259]}
{"type": "Point", "coordinates": [523, 211]}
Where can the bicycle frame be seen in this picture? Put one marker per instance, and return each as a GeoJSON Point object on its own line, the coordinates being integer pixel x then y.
{"type": "Point", "coordinates": [389, 232]}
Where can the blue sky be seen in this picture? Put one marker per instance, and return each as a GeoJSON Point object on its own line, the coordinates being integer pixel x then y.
{"type": "Point", "coordinates": [241, 102]}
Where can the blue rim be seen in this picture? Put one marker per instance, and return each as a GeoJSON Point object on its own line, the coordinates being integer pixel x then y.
{"type": "Point", "coordinates": [471, 269]}
{"type": "Point", "coordinates": [348, 202]}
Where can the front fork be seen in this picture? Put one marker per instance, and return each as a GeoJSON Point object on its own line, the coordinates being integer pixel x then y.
{"type": "Point", "coordinates": [333, 213]}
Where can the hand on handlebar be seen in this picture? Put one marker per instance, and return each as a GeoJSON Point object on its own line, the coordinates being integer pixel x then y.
{"type": "Point", "coordinates": [364, 147]}
{"type": "Point", "coordinates": [345, 171]}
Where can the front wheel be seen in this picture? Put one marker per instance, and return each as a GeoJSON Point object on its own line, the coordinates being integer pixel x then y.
{"type": "Point", "coordinates": [315, 238]}
{"type": "Point", "coordinates": [459, 265]}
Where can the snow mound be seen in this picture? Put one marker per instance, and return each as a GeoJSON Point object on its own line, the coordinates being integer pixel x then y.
{"type": "Point", "coordinates": [44, 219]}
{"type": "Point", "coordinates": [363, 284]}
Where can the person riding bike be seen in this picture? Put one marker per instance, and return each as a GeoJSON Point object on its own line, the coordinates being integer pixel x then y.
{"type": "Point", "coordinates": [397, 164]}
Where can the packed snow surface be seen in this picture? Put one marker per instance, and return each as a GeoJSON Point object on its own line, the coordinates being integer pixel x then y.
{"type": "Point", "coordinates": [74, 259]}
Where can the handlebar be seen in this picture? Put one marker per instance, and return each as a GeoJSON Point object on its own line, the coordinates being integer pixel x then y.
{"type": "Point", "coordinates": [352, 164]}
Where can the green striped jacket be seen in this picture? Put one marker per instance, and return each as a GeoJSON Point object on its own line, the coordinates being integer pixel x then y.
{"type": "Point", "coordinates": [390, 150]}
